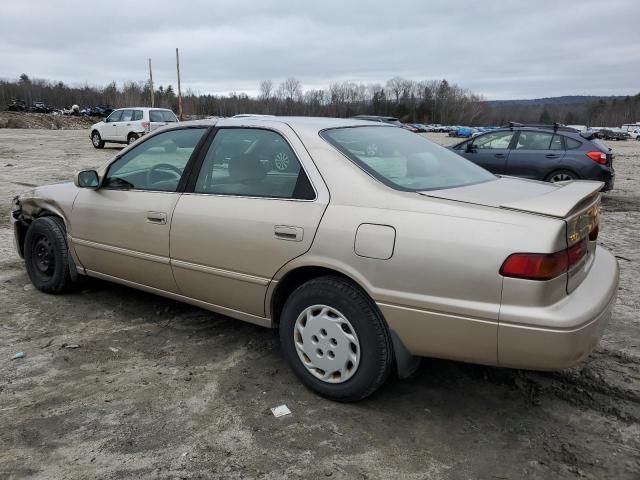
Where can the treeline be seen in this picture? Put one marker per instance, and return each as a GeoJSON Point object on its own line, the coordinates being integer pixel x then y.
{"type": "Point", "coordinates": [426, 101]}
{"type": "Point", "coordinates": [600, 113]}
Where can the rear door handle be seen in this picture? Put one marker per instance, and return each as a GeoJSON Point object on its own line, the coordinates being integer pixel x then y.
{"type": "Point", "coordinates": [552, 155]}
{"type": "Point", "coordinates": [286, 232]}
{"type": "Point", "coordinates": [159, 218]}
{"type": "Point", "coordinates": [499, 155]}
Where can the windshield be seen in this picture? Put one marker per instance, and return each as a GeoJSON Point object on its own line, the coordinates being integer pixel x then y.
{"type": "Point", "coordinates": [404, 160]}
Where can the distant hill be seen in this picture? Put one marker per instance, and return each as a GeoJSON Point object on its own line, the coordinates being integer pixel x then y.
{"type": "Point", "coordinates": [565, 100]}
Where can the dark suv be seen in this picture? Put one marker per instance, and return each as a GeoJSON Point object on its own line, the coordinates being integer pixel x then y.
{"type": "Point", "coordinates": [541, 152]}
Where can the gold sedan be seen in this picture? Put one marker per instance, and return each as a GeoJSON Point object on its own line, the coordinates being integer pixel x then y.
{"type": "Point", "coordinates": [366, 245]}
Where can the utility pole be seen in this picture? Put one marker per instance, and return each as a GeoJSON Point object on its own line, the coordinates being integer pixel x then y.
{"type": "Point", "coordinates": [151, 82]}
{"type": "Point", "coordinates": [179, 91]}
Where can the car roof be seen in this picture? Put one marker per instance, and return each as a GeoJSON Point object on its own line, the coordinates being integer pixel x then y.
{"type": "Point", "coordinates": [308, 124]}
{"type": "Point", "coordinates": [143, 108]}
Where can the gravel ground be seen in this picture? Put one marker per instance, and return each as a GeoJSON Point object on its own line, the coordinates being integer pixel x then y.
{"type": "Point", "coordinates": [157, 389]}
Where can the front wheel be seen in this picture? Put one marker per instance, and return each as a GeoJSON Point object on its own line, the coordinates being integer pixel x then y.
{"type": "Point", "coordinates": [335, 340]}
{"type": "Point", "coordinates": [46, 255]}
{"type": "Point", "coordinates": [96, 140]}
{"type": "Point", "coordinates": [561, 176]}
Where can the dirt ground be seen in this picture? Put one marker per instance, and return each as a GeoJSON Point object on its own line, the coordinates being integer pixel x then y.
{"type": "Point", "coordinates": [157, 389]}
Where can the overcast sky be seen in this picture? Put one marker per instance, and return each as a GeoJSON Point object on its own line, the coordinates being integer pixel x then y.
{"type": "Point", "coordinates": [501, 49]}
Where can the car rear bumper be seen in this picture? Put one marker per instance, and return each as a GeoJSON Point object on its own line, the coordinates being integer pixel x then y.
{"type": "Point", "coordinates": [563, 334]}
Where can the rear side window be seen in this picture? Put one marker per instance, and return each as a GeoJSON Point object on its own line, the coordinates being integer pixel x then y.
{"type": "Point", "coordinates": [162, 116]}
{"type": "Point", "coordinates": [252, 162]}
{"type": "Point", "coordinates": [137, 115]}
{"type": "Point", "coordinates": [571, 143]}
{"type": "Point", "coordinates": [556, 143]}
{"type": "Point", "coordinates": [127, 115]}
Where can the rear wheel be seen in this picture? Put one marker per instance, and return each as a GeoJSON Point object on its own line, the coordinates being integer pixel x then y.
{"type": "Point", "coordinates": [132, 138]}
{"type": "Point", "coordinates": [96, 140]}
{"type": "Point", "coordinates": [335, 340]}
{"type": "Point", "coordinates": [561, 176]}
{"type": "Point", "coordinates": [46, 255]}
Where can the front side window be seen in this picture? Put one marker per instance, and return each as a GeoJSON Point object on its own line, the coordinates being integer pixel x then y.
{"type": "Point", "coordinates": [114, 117]}
{"type": "Point", "coordinates": [156, 164]}
{"type": "Point", "coordinates": [254, 163]}
{"type": "Point", "coordinates": [404, 160]}
{"type": "Point", "coordinates": [534, 141]}
{"type": "Point", "coordinates": [493, 141]}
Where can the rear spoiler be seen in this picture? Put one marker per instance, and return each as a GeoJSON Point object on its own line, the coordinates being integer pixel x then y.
{"type": "Point", "coordinates": [570, 198]}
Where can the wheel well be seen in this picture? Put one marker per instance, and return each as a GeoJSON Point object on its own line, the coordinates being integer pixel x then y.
{"type": "Point", "coordinates": [23, 225]}
{"type": "Point", "coordinates": [562, 169]}
{"type": "Point", "coordinates": [293, 280]}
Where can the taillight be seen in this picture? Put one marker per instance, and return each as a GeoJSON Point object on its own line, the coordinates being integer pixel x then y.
{"type": "Point", "coordinates": [535, 266]}
{"type": "Point", "coordinates": [543, 266]}
{"type": "Point", "coordinates": [593, 234]}
{"type": "Point", "coordinates": [145, 125]}
{"type": "Point", "coordinates": [597, 157]}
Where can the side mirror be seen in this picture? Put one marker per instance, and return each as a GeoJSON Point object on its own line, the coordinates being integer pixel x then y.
{"type": "Point", "coordinates": [87, 179]}
{"type": "Point", "coordinates": [471, 148]}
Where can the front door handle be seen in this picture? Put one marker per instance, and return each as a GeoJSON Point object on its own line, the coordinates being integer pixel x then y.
{"type": "Point", "coordinates": [552, 155]}
{"type": "Point", "coordinates": [499, 155]}
{"type": "Point", "coordinates": [286, 232]}
{"type": "Point", "coordinates": [159, 218]}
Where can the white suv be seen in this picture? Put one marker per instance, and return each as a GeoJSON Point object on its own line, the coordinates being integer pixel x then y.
{"type": "Point", "coordinates": [126, 125]}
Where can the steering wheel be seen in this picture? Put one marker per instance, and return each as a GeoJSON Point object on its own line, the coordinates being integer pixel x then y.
{"type": "Point", "coordinates": [166, 167]}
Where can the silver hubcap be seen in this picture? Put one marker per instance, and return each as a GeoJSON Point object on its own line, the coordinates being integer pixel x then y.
{"type": "Point", "coordinates": [281, 160]}
{"type": "Point", "coordinates": [561, 177]}
{"type": "Point", "coordinates": [327, 344]}
{"type": "Point", "coordinates": [132, 139]}
{"type": "Point", "coordinates": [96, 139]}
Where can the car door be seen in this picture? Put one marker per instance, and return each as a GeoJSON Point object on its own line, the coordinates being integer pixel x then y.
{"type": "Point", "coordinates": [535, 154]}
{"type": "Point", "coordinates": [109, 130]}
{"type": "Point", "coordinates": [124, 125]}
{"type": "Point", "coordinates": [490, 151]}
{"type": "Point", "coordinates": [241, 219]}
{"type": "Point", "coordinates": [121, 230]}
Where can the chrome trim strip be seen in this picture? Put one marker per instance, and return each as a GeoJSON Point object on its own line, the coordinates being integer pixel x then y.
{"type": "Point", "coordinates": [220, 272]}
{"type": "Point", "coordinates": [247, 317]}
{"type": "Point", "coordinates": [122, 251]}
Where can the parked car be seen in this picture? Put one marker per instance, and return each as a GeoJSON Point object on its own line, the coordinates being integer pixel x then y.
{"type": "Point", "coordinates": [549, 153]}
{"type": "Point", "coordinates": [420, 127]}
{"type": "Point", "coordinates": [377, 248]}
{"type": "Point", "coordinates": [613, 134]}
{"type": "Point", "coordinates": [16, 105]}
{"type": "Point", "coordinates": [126, 125]}
{"type": "Point", "coordinates": [410, 127]}
{"type": "Point", "coordinates": [635, 133]}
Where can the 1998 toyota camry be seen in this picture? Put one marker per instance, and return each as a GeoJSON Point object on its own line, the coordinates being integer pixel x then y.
{"type": "Point", "coordinates": [366, 245]}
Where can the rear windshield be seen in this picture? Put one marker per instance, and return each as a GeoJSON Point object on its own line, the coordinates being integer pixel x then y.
{"type": "Point", "coordinates": [404, 160]}
{"type": "Point", "coordinates": [162, 116]}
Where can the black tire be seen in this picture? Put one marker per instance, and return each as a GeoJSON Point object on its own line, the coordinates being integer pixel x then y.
{"type": "Point", "coordinates": [376, 350]}
{"type": "Point", "coordinates": [131, 138]}
{"type": "Point", "coordinates": [96, 140]}
{"type": "Point", "coordinates": [46, 255]}
{"type": "Point", "coordinates": [560, 174]}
